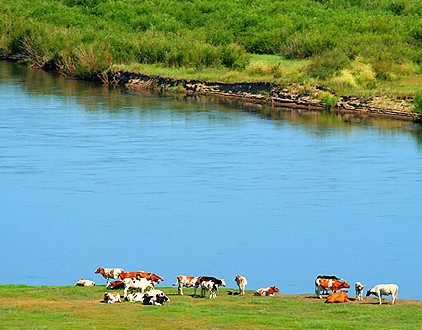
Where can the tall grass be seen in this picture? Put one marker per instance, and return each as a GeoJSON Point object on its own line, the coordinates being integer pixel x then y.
{"type": "Point", "coordinates": [383, 35]}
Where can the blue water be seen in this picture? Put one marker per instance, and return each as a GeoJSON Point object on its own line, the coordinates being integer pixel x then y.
{"type": "Point", "coordinates": [92, 176]}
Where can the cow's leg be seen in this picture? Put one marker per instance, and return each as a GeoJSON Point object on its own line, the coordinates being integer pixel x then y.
{"type": "Point", "coordinates": [380, 298]}
{"type": "Point", "coordinates": [180, 289]}
{"type": "Point", "coordinates": [194, 290]}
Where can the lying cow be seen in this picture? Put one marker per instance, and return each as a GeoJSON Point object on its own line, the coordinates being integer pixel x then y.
{"type": "Point", "coordinates": [136, 284]}
{"type": "Point", "coordinates": [115, 285]}
{"type": "Point", "coordinates": [82, 282]}
{"type": "Point", "coordinates": [270, 291]}
{"type": "Point", "coordinates": [155, 297]}
{"type": "Point", "coordinates": [241, 283]}
{"type": "Point", "coordinates": [337, 297]}
{"type": "Point", "coordinates": [185, 281]}
{"type": "Point", "coordinates": [384, 290]}
{"type": "Point", "coordinates": [112, 297]}
{"type": "Point", "coordinates": [359, 290]}
{"type": "Point", "coordinates": [323, 284]}
{"type": "Point", "coordinates": [152, 297]}
{"type": "Point", "coordinates": [109, 273]}
{"type": "Point", "coordinates": [215, 283]}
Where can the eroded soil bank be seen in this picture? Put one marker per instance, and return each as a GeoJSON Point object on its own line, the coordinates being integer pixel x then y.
{"type": "Point", "coordinates": [294, 96]}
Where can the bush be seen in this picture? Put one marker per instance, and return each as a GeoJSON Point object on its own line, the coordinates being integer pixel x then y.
{"type": "Point", "coordinates": [417, 105]}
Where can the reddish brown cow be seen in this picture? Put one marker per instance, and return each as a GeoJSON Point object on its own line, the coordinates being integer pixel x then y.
{"type": "Point", "coordinates": [271, 291]}
{"type": "Point", "coordinates": [116, 285]}
{"type": "Point", "coordinates": [337, 297]}
{"type": "Point", "coordinates": [124, 275]}
{"type": "Point", "coordinates": [141, 274]}
{"type": "Point", "coordinates": [329, 284]}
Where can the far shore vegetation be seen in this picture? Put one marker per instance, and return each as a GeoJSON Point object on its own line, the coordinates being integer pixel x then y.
{"type": "Point", "coordinates": [70, 307]}
{"type": "Point", "coordinates": [354, 47]}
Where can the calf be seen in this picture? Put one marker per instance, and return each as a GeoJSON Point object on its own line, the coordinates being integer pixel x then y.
{"type": "Point", "coordinates": [241, 283]}
{"type": "Point", "coordinates": [136, 284]}
{"type": "Point", "coordinates": [108, 273]}
{"type": "Point", "coordinates": [384, 290]}
{"type": "Point", "coordinates": [216, 281]}
{"type": "Point", "coordinates": [359, 290]}
{"type": "Point", "coordinates": [337, 297]}
{"type": "Point", "coordinates": [112, 297]}
{"type": "Point", "coordinates": [115, 285]}
{"type": "Point", "coordinates": [187, 281]}
{"type": "Point", "coordinates": [329, 284]}
{"type": "Point", "coordinates": [82, 282]}
{"type": "Point", "coordinates": [270, 291]}
{"type": "Point", "coordinates": [209, 286]}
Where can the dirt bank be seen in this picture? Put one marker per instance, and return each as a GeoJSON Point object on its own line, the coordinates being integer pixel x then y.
{"type": "Point", "coordinates": [294, 96]}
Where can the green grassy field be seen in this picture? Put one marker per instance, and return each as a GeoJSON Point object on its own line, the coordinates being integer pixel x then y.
{"type": "Point", "coordinates": [26, 307]}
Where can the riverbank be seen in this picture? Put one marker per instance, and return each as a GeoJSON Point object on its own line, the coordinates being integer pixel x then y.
{"type": "Point", "coordinates": [297, 96]}
{"type": "Point", "coordinates": [81, 308]}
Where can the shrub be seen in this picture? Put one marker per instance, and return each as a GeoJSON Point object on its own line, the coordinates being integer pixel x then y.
{"type": "Point", "coordinates": [417, 105]}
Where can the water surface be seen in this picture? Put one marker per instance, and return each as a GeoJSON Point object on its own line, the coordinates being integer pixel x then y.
{"type": "Point", "coordinates": [93, 176]}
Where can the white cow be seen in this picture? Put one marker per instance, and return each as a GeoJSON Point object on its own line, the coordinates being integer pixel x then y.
{"type": "Point", "coordinates": [359, 290]}
{"type": "Point", "coordinates": [241, 283]}
{"type": "Point", "coordinates": [187, 281]}
{"type": "Point", "coordinates": [151, 297]}
{"type": "Point", "coordinates": [136, 284]}
{"type": "Point", "coordinates": [216, 281]}
{"type": "Point", "coordinates": [82, 282]}
{"type": "Point", "coordinates": [112, 297]}
{"type": "Point", "coordinates": [384, 290]}
{"type": "Point", "coordinates": [209, 286]}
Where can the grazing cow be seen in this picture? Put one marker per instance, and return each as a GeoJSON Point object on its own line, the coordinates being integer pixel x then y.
{"type": "Point", "coordinates": [359, 290]}
{"type": "Point", "coordinates": [216, 281]}
{"type": "Point", "coordinates": [337, 297]}
{"type": "Point", "coordinates": [112, 297]}
{"type": "Point", "coordinates": [384, 290]}
{"type": "Point", "coordinates": [115, 285]}
{"type": "Point", "coordinates": [136, 284]}
{"type": "Point", "coordinates": [141, 274]}
{"type": "Point", "coordinates": [82, 282]}
{"type": "Point", "coordinates": [270, 291]}
{"type": "Point", "coordinates": [241, 283]}
{"type": "Point", "coordinates": [109, 273]}
{"type": "Point", "coordinates": [187, 281]}
{"type": "Point", "coordinates": [329, 284]}
{"type": "Point", "coordinates": [155, 297]}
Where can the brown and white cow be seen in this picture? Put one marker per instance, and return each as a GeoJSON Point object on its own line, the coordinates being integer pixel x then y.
{"type": "Point", "coordinates": [241, 283]}
{"type": "Point", "coordinates": [108, 273]}
{"type": "Point", "coordinates": [337, 297]}
{"type": "Point", "coordinates": [82, 282]}
{"type": "Point", "coordinates": [185, 281]}
{"type": "Point", "coordinates": [112, 297]}
{"type": "Point", "coordinates": [323, 284]}
{"type": "Point", "coordinates": [136, 284]}
{"type": "Point", "coordinates": [270, 291]}
{"type": "Point", "coordinates": [141, 274]}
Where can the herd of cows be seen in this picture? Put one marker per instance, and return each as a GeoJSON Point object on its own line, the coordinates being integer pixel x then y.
{"type": "Point", "coordinates": [135, 287]}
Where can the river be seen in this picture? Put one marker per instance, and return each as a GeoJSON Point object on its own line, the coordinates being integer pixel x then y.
{"type": "Point", "coordinates": [93, 176]}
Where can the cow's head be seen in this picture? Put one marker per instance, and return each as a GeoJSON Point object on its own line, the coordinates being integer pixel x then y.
{"type": "Point", "coordinates": [99, 270]}
{"type": "Point", "coordinates": [223, 282]}
{"type": "Point", "coordinates": [346, 285]}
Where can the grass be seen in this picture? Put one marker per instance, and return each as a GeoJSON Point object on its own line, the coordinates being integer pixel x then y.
{"type": "Point", "coordinates": [26, 307]}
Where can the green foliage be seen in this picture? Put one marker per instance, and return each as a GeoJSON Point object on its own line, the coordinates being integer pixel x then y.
{"type": "Point", "coordinates": [417, 105]}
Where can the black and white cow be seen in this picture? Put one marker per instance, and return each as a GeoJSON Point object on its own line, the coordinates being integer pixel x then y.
{"type": "Point", "coordinates": [209, 283]}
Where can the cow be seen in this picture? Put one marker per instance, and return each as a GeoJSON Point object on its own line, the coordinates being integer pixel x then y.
{"type": "Point", "coordinates": [155, 297]}
{"type": "Point", "coordinates": [328, 277]}
{"type": "Point", "coordinates": [141, 274]}
{"type": "Point", "coordinates": [359, 290]}
{"type": "Point", "coordinates": [136, 284]}
{"type": "Point", "coordinates": [329, 284]}
{"type": "Point", "coordinates": [337, 297]}
{"type": "Point", "coordinates": [115, 285]}
{"type": "Point", "coordinates": [187, 281]}
{"type": "Point", "coordinates": [241, 283]}
{"type": "Point", "coordinates": [216, 281]}
{"type": "Point", "coordinates": [82, 282]}
{"type": "Point", "coordinates": [112, 297]}
{"type": "Point", "coordinates": [384, 290]}
{"type": "Point", "coordinates": [209, 286]}
{"type": "Point", "coordinates": [270, 291]}
{"type": "Point", "coordinates": [108, 273]}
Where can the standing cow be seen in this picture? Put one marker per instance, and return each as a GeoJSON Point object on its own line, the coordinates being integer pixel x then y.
{"type": "Point", "coordinates": [212, 283]}
{"type": "Point", "coordinates": [108, 273]}
{"type": "Point", "coordinates": [185, 281]}
{"type": "Point", "coordinates": [241, 283]}
{"type": "Point", "coordinates": [359, 290]}
{"type": "Point", "coordinates": [323, 284]}
{"type": "Point", "coordinates": [384, 290]}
